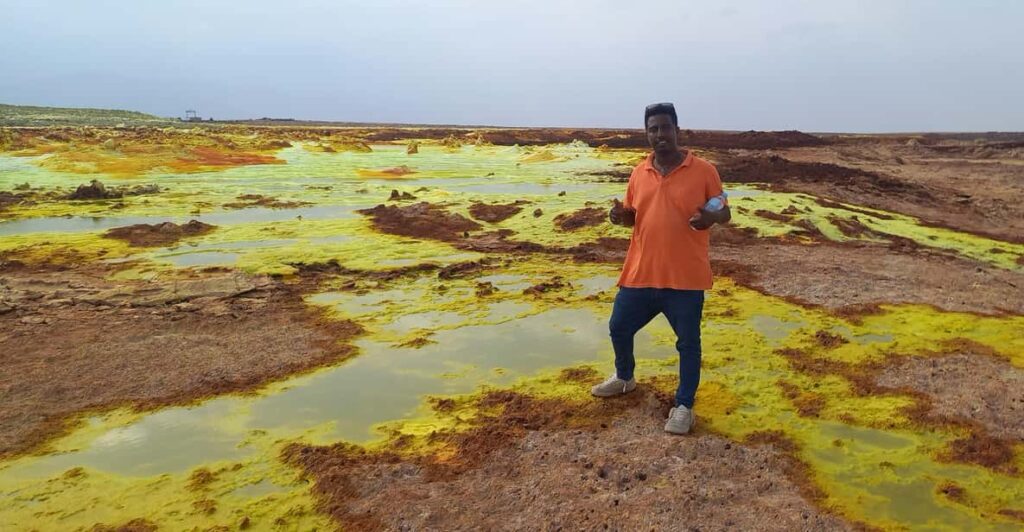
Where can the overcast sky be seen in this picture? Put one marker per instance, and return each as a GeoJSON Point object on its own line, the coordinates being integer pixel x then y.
{"type": "Point", "coordinates": [885, 65]}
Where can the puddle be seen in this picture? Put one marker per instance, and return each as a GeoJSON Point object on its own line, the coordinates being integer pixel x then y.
{"type": "Point", "coordinates": [444, 259]}
{"type": "Point", "coordinates": [200, 258]}
{"type": "Point", "coordinates": [394, 380]}
{"type": "Point", "coordinates": [870, 338]}
{"type": "Point", "coordinates": [352, 304]}
{"type": "Point", "coordinates": [773, 329]}
{"type": "Point", "coordinates": [590, 286]}
{"type": "Point", "coordinates": [904, 493]}
{"type": "Point", "coordinates": [259, 489]}
{"type": "Point", "coordinates": [507, 310]}
{"type": "Point", "coordinates": [423, 320]}
{"type": "Point", "coordinates": [170, 440]}
{"type": "Point", "coordinates": [528, 189]}
{"type": "Point", "coordinates": [502, 281]}
{"type": "Point", "coordinates": [862, 338]}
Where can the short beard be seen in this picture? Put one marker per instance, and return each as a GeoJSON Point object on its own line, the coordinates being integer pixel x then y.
{"type": "Point", "coordinates": [667, 150]}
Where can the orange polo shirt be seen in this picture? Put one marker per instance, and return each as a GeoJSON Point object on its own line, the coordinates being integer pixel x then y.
{"type": "Point", "coordinates": [664, 251]}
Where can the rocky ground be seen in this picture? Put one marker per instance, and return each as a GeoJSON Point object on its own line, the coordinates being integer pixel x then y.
{"type": "Point", "coordinates": [548, 465]}
{"type": "Point", "coordinates": [72, 342]}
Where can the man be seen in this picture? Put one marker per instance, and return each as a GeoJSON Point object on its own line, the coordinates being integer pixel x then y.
{"type": "Point", "coordinates": [667, 267]}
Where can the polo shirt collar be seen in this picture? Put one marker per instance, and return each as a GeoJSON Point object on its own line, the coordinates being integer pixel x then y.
{"type": "Point", "coordinates": [649, 162]}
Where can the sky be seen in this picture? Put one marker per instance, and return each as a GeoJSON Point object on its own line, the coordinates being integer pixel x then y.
{"type": "Point", "coordinates": [813, 65]}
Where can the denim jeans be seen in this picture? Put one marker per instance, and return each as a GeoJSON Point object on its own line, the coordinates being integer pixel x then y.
{"type": "Point", "coordinates": [636, 307]}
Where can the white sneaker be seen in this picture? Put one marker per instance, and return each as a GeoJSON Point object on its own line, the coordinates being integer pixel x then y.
{"type": "Point", "coordinates": [613, 386]}
{"type": "Point", "coordinates": [680, 420]}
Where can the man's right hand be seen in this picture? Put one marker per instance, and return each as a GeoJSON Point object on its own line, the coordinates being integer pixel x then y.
{"type": "Point", "coordinates": [620, 215]}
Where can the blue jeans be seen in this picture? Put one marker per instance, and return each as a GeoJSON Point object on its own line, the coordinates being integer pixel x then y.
{"type": "Point", "coordinates": [636, 307]}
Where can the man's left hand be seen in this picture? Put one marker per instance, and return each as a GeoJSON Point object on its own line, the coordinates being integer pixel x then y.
{"type": "Point", "coordinates": [702, 220]}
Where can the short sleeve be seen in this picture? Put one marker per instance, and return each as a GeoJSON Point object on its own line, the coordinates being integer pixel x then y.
{"type": "Point", "coordinates": [713, 183]}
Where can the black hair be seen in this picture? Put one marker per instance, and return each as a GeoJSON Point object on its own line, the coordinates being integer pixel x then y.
{"type": "Point", "coordinates": [661, 109]}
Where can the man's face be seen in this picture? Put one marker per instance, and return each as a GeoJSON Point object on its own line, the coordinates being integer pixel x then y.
{"type": "Point", "coordinates": [662, 133]}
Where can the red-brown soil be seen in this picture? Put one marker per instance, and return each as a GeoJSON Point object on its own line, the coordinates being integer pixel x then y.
{"type": "Point", "coordinates": [246, 201]}
{"type": "Point", "coordinates": [542, 464]}
{"type": "Point", "coordinates": [464, 269]}
{"type": "Point", "coordinates": [496, 212]}
{"type": "Point", "coordinates": [420, 220]}
{"type": "Point", "coordinates": [604, 249]}
{"type": "Point", "coordinates": [162, 234]}
{"type": "Point", "coordinates": [527, 466]}
{"type": "Point", "coordinates": [585, 217]}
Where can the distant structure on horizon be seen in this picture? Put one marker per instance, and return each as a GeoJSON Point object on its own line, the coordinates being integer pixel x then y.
{"type": "Point", "coordinates": [192, 116]}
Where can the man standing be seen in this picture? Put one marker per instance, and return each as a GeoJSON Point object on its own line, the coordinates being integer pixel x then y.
{"type": "Point", "coordinates": [667, 267]}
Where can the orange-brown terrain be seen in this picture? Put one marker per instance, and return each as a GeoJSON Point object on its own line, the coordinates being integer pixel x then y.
{"type": "Point", "coordinates": [75, 338]}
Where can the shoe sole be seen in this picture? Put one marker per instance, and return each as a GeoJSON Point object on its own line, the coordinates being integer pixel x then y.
{"type": "Point", "coordinates": [612, 394]}
{"type": "Point", "coordinates": [683, 433]}
{"type": "Point", "coordinates": [679, 433]}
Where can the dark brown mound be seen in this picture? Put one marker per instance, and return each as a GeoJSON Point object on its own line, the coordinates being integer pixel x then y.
{"type": "Point", "coordinates": [258, 200]}
{"type": "Point", "coordinates": [163, 234]}
{"type": "Point", "coordinates": [605, 249]}
{"type": "Point", "coordinates": [400, 196]}
{"type": "Point", "coordinates": [554, 284]}
{"type": "Point", "coordinates": [463, 269]}
{"type": "Point", "coordinates": [494, 213]}
{"type": "Point", "coordinates": [95, 190]}
{"type": "Point", "coordinates": [771, 215]}
{"type": "Point", "coordinates": [829, 340]}
{"type": "Point", "coordinates": [585, 217]}
{"type": "Point", "coordinates": [619, 174]}
{"type": "Point", "coordinates": [777, 170]}
{"type": "Point", "coordinates": [420, 220]}
{"type": "Point", "coordinates": [8, 199]}
{"type": "Point", "coordinates": [135, 525]}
